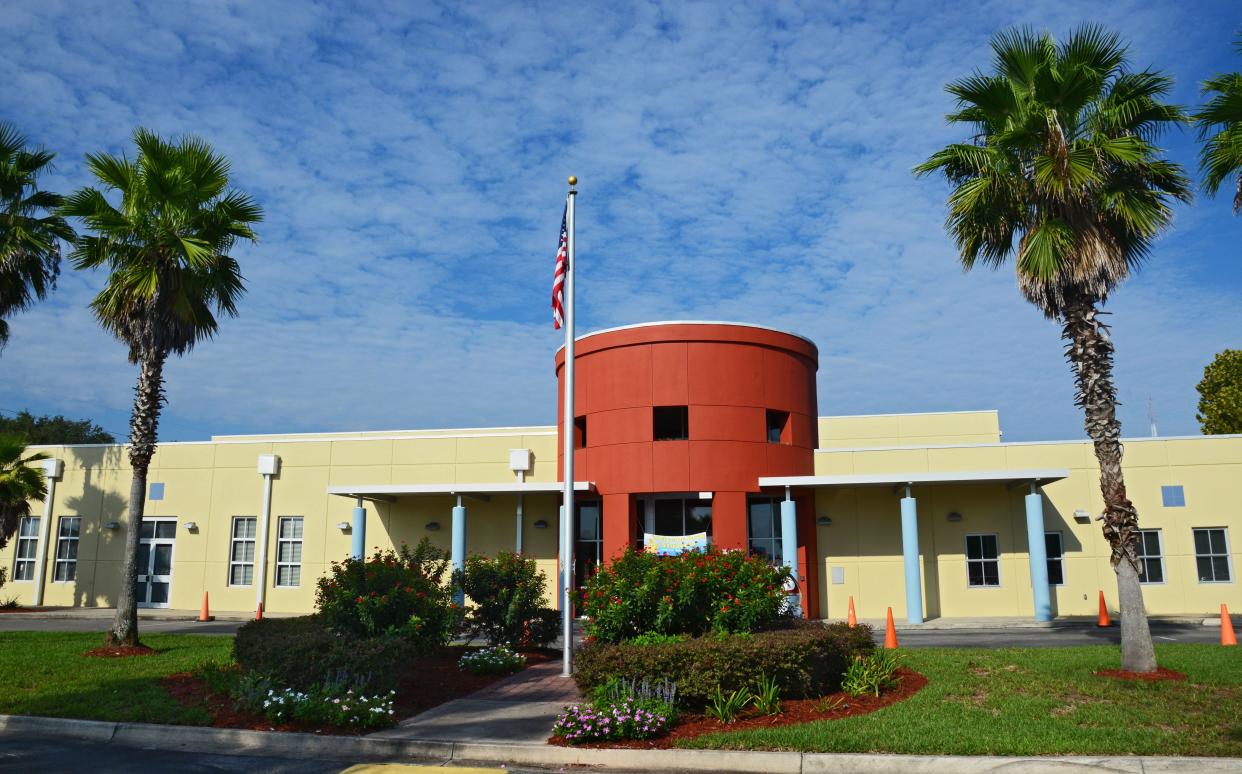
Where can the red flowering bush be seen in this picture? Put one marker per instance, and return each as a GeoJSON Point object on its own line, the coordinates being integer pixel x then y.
{"type": "Point", "coordinates": [403, 592]}
{"type": "Point", "coordinates": [692, 593]}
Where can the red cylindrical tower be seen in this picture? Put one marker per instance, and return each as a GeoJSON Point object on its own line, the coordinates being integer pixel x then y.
{"type": "Point", "coordinates": [692, 410]}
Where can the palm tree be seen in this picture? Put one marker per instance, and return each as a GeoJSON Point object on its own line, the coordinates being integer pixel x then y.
{"type": "Point", "coordinates": [1220, 129]}
{"type": "Point", "coordinates": [166, 247]}
{"type": "Point", "coordinates": [30, 230]}
{"type": "Point", "coordinates": [1060, 173]}
{"type": "Point", "coordinates": [20, 482]}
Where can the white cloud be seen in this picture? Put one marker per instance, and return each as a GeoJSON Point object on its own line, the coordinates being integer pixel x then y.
{"type": "Point", "coordinates": [740, 162]}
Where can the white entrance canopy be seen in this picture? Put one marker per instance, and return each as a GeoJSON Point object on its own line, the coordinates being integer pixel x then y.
{"type": "Point", "coordinates": [1034, 476]}
{"type": "Point", "coordinates": [475, 491]}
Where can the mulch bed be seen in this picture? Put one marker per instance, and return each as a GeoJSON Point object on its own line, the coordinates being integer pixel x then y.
{"type": "Point", "coordinates": [792, 712]}
{"type": "Point", "coordinates": [431, 681]}
{"type": "Point", "coordinates": [121, 652]}
{"type": "Point", "coordinates": [1159, 675]}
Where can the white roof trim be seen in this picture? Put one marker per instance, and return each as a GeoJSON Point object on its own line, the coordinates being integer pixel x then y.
{"type": "Point", "coordinates": [509, 487]}
{"type": "Point", "coordinates": [1044, 475]}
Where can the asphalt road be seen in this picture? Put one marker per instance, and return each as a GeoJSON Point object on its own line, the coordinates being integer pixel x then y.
{"type": "Point", "coordinates": [41, 755]}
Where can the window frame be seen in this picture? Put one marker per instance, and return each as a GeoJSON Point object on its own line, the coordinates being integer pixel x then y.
{"type": "Point", "coordinates": [775, 419]}
{"type": "Point", "coordinates": [1228, 556]}
{"type": "Point", "coordinates": [776, 539]}
{"type": "Point", "coordinates": [62, 538]}
{"type": "Point", "coordinates": [982, 560]}
{"type": "Point", "coordinates": [18, 539]}
{"type": "Point", "coordinates": [233, 541]}
{"type": "Point", "coordinates": [1060, 559]}
{"type": "Point", "coordinates": [280, 539]}
{"type": "Point", "coordinates": [1144, 557]}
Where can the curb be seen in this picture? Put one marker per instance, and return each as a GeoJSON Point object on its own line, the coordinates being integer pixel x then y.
{"type": "Point", "coordinates": [355, 749]}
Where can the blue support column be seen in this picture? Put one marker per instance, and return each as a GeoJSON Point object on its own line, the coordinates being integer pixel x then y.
{"type": "Point", "coordinates": [1038, 552]}
{"type": "Point", "coordinates": [458, 556]}
{"type": "Point", "coordinates": [910, 552]}
{"type": "Point", "coordinates": [359, 545]}
{"type": "Point", "coordinates": [789, 547]}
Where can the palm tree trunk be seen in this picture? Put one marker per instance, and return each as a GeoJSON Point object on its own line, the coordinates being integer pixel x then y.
{"type": "Point", "coordinates": [1090, 352]}
{"type": "Point", "coordinates": [143, 427]}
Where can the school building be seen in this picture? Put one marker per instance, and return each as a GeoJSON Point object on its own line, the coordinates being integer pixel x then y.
{"type": "Point", "coordinates": [681, 429]}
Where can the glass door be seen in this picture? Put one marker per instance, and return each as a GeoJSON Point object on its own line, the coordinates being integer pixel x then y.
{"type": "Point", "coordinates": [588, 541]}
{"type": "Point", "coordinates": [155, 556]}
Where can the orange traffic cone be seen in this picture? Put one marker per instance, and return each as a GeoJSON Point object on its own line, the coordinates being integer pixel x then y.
{"type": "Point", "coordinates": [890, 632]}
{"type": "Point", "coordinates": [1104, 620]}
{"type": "Point", "coordinates": [1227, 637]}
{"type": "Point", "coordinates": [258, 614]}
{"type": "Point", "coordinates": [851, 619]}
{"type": "Point", "coordinates": [204, 615]}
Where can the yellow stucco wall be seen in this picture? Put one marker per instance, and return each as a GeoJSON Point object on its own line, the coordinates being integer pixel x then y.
{"type": "Point", "coordinates": [211, 482]}
{"type": "Point", "coordinates": [878, 430]}
{"type": "Point", "coordinates": [864, 538]}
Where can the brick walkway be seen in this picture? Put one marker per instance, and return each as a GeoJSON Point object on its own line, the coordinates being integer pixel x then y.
{"type": "Point", "coordinates": [519, 709]}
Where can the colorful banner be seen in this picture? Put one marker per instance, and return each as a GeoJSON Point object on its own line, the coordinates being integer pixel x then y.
{"type": "Point", "coordinates": [670, 545]}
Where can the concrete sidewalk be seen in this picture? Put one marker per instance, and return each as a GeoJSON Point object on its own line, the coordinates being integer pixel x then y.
{"type": "Point", "coordinates": [144, 614]}
{"type": "Point", "coordinates": [519, 709]}
{"type": "Point", "coordinates": [997, 622]}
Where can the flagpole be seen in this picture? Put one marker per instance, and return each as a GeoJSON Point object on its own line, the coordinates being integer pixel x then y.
{"type": "Point", "coordinates": [568, 429]}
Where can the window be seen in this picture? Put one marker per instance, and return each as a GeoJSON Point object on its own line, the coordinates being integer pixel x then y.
{"type": "Point", "coordinates": [1173, 496]}
{"type": "Point", "coordinates": [67, 549]}
{"type": "Point", "coordinates": [27, 549]}
{"type": "Point", "coordinates": [580, 432]}
{"type": "Point", "coordinates": [682, 516]}
{"type": "Point", "coordinates": [778, 427]}
{"type": "Point", "coordinates": [670, 423]}
{"type": "Point", "coordinates": [1151, 558]}
{"type": "Point", "coordinates": [982, 560]}
{"type": "Point", "coordinates": [1212, 555]}
{"type": "Point", "coordinates": [764, 522]}
{"type": "Point", "coordinates": [1055, 550]}
{"type": "Point", "coordinates": [241, 553]}
{"type": "Point", "coordinates": [289, 551]}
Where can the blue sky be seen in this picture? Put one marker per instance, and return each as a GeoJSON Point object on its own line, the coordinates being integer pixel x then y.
{"type": "Point", "coordinates": [740, 162]}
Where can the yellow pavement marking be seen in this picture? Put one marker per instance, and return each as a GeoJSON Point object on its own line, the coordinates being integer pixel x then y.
{"type": "Point", "coordinates": [402, 768]}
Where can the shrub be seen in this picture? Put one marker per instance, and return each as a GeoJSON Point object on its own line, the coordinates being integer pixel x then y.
{"type": "Point", "coordinates": [492, 661]}
{"type": "Point", "coordinates": [625, 719]}
{"type": "Point", "coordinates": [507, 596]}
{"type": "Point", "coordinates": [654, 638]}
{"type": "Point", "coordinates": [726, 707]}
{"type": "Point", "coordinates": [391, 592]}
{"type": "Point", "coordinates": [805, 660]}
{"type": "Point", "coordinates": [692, 593]}
{"type": "Point", "coordinates": [302, 652]}
{"type": "Point", "coordinates": [871, 673]}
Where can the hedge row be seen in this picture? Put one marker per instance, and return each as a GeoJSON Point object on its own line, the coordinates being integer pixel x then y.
{"type": "Point", "coordinates": [806, 659]}
{"type": "Point", "coordinates": [303, 652]}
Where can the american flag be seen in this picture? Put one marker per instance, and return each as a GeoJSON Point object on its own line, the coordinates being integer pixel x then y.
{"type": "Point", "coordinates": [558, 277]}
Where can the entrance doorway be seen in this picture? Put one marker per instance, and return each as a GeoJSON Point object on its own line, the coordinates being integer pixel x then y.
{"type": "Point", "coordinates": [155, 557]}
{"type": "Point", "coordinates": [588, 541]}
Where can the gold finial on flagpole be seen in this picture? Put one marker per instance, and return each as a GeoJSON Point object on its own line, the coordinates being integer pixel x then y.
{"type": "Point", "coordinates": [573, 181]}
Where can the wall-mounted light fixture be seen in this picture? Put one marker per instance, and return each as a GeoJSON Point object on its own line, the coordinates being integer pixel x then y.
{"type": "Point", "coordinates": [541, 524]}
{"type": "Point", "coordinates": [955, 516]}
{"type": "Point", "coordinates": [343, 526]}
{"type": "Point", "coordinates": [824, 521]}
{"type": "Point", "coordinates": [192, 526]}
{"type": "Point", "coordinates": [1082, 516]}
{"type": "Point", "coordinates": [433, 526]}
{"type": "Point", "coordinates": [112, 525]}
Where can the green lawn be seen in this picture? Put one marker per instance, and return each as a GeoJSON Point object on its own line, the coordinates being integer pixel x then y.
{"type": "Point", "coordinates": [1036, 701]}
{"type": "Point", "coordinates": [45, 673]}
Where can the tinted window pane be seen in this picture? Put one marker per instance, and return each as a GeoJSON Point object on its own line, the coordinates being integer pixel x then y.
{"type": "Point", "coordinates": [163, 560]}
{"type": "Point", "coordinates": [140, 592]}
{"type": "Point", "coordinates": [991, 574]}
{"type": "Point", "coordinates": [144, 558]}
{"type": "Point", "coordinates": [1052, 545]}
{"type": "Point", "coordinates": [670, 423]}
{"type": "Point", "coordinates": [990, 550]}
{"type": "Point", "coordinates": [1202, 542]}
{"type": "Point", "coordinates": [1155, 571]}
{"type": "Point", "coordinates": [1220, 566]}
{"type": "Point", "coordinates": [1205, 569]}
{"type": "Point", "coordinates": [1151, 543]}
{"type": "Point", "coordinates": [29, 526]}
{"type": "Point", "coordinates": [166, 529]}
{"type": "Point", "coordinates": [147, 530]}
{"type": "Point", "coordinates": [159, 593]}
{"type": "Point", "coordinates": [974, 572]}
{"type": "Point", "coordinates": [973, 549]}
{"type": "Point", "coordinates": [761, 519]}
{"type": "Point", "coordinates": [1056, 575]}
{"type": "Point", "coordinates": [698, 517]}
{"type": "Point", "coordinates": [668, 517]}
{"type": "Point", "coordinates": [1217, 541]}
{"type": "Point", "coordinates": [588, 524]}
